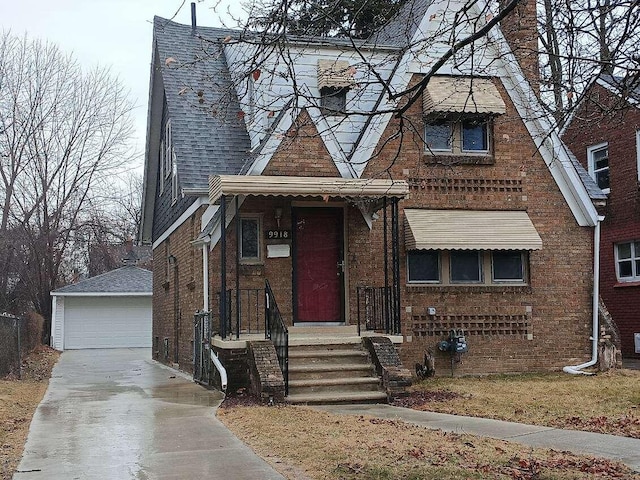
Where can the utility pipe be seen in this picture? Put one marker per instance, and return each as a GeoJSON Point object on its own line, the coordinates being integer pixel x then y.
{"type": "Point", "coordinates": [577, 369]}
{"type": "Point", "coordinates": [205, 277]}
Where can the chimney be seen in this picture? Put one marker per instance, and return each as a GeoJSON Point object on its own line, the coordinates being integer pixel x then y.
{"type": "Point", "coordinates": [193, 18]}
{"type": "Point", "coordinates": [521, 31]}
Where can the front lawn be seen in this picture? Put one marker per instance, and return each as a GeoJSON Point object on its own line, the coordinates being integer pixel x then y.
{"type": "Point", "coordinates": [18, 401]}
{"type": "Point", "coordinates": [304, 444]}
{"type": "Point", "coordinates": [604, 403]}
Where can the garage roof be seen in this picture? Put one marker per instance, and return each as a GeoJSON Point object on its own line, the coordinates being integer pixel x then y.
{"type": "Point", "coordinates": [125, 281]}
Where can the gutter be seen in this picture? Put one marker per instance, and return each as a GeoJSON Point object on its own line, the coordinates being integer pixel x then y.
{"type": "Point", "coordinates": [577, 369]}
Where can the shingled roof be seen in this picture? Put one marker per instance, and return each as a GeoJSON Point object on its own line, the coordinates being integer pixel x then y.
{"type": "Point", "coordinates": [401, 28]}
{"type": "Point", "coordinates": [209, 134]}
{"type": "Point", "coordinates": [120, 282]}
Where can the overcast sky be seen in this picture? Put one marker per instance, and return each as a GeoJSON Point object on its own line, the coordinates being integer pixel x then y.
{"type": "Point", "coordinates": [114, 33]}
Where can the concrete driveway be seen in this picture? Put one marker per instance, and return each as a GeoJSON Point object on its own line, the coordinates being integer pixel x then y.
{"type": "Point", "coordinates": [116, 414]}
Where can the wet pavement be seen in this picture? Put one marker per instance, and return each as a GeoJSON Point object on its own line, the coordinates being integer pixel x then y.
{"type": "Point", "coordinates": [116, 414]}
{"type": "Point", "coordinates": [622, 449]}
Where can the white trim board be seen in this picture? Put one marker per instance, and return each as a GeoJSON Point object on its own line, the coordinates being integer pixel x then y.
{"type": "Point", "coordinates": [200, 201]}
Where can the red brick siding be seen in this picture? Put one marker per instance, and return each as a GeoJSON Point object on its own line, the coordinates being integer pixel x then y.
{"type": "Point", "coordinates": [605, 118]}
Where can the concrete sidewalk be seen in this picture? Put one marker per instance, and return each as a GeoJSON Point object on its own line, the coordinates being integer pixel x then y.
{"type": "Point", "coordinates": [623, 449]}
{"type": "Point", "coordinates": [116, 414]}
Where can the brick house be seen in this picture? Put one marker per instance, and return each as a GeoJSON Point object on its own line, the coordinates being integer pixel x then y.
{"type": "Point", "coordinates": [604, 134]}
{"type": "Point", "coordinates": [474, 221]}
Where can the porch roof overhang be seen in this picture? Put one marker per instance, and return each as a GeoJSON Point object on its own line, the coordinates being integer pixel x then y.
{"type": "Point", "coordinates": [470, 230]}
{"type": "Point", "coordinates": [263, 185]}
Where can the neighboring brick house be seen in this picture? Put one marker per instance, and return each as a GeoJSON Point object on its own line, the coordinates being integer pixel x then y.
{"type": "Point", "coordinates": [474, 219]}
{"type": "Point", "coordinates": [604, 134]}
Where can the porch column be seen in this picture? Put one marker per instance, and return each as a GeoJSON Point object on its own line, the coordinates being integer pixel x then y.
{"type": "Point", "coordinates": [223, 266]}
{"type": "Point", "coordinates": [387, 326]}
{"type": "Point", "coordinates": [238, 239]}
{"type": "Point", "coordinates": [396, 265]}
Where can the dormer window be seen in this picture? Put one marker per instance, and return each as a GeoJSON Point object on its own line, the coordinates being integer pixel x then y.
{"type": "Point", "coordinates": [335, 78]}
{"type": "Point", "coordinates": [333, 100]}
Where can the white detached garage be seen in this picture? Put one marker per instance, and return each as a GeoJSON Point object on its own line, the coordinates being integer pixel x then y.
{"type": "Point", "coordinates": [112, 310]}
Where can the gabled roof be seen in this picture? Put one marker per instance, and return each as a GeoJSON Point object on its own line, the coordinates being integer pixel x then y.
{"type": "Point", "coordinates": [628, 88]}
{"type": "Point", "coordinates": [123, 281]}
{"type": "Point", "coordinates": [209, 134]}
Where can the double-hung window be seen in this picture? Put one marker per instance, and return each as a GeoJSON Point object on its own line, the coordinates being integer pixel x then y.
{"type": "Point", "coordinates": [598, 156]}
{"type": "Point", "coordinates": [628, 261]}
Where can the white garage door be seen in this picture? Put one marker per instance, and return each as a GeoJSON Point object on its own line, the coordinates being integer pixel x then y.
{"type": "Point", "coordinates": [107, 322]}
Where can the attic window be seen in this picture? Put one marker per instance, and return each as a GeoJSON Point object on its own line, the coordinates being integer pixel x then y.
{"type": "Point", "coordinates": [335, 78]}
{"type": "Point", "coordinates": [333, 100]}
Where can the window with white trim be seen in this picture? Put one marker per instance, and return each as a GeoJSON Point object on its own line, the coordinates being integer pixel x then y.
{"type": "Point", "coordinates": [174, 177]}
{"type": "Point", "coordinates": [168, 145]}
{"type": "Point", "coordinates": [598, 157]}
{"type": "Point", "coordinates": [468, 135]}
{"type": "Point", "coordinates": [628, 261]}
{"type": "Point", "coordinates": [456, 267]}
{"type": "Point", "coordinates": [162, 166]}
{"type": "Point", "coordinates": [250, 241]}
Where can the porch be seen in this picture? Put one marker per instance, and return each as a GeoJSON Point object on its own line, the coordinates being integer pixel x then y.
{"type": "Point", "coordinates": [298, 234]}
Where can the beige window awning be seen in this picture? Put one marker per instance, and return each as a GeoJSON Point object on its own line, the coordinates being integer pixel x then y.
{"type": "Point", "coordinates": [262, 185]}
{"type": "Point", "coordinates": [469, 230]}
{"type": "Point", "coordinates": [335, 74]}
{"type": "Point", "coordinates": [462, 95]}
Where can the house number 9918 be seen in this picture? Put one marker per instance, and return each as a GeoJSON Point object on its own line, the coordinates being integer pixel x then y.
{"type": "Point", "coordinates": [278, 234]}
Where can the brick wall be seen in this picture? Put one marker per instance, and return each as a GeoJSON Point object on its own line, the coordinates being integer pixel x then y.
{"type": "Point", "coordinates": [544, 325]}
{"type": "Point", "coordinates": [177, 293]}
{"type": "Point", "coordinates": [604, 118]}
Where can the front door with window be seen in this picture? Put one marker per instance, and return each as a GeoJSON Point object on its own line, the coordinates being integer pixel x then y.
{"type": "Point", "coordinates": [318, 266]}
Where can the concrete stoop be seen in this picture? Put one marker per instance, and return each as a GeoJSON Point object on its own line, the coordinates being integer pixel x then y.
{"type": "Point", "coordinates": [332, 371]}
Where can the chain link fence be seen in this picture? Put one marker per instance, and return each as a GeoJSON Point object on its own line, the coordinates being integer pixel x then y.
{"type": "Point", "coordinates": [10, 345]}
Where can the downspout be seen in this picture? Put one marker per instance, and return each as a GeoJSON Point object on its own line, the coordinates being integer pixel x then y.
{"type": "Point", "coordinates": [577, 369]}
{"type": "Point", "coordinates": [205, 277]}
{"type": "Point", "coordinates": [205, 307]}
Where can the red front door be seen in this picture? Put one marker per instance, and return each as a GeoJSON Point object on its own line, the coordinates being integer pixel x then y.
{"type": "Point", "coordinates": [318, 271]}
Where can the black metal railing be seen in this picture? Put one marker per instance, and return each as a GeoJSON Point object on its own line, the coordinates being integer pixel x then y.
{"type": "Point", "coordinates": [201, 348]}
{"type": "Point", "coordinates": [276, 330]}
{"type": "Point", "coordinates": [244, 312]}
{"type": "Point", "coordinates": [374, 306]}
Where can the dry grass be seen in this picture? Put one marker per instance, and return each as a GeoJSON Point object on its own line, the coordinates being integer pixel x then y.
{"type": "Point", "coordinates": [605, 403]}
{"type": "Point", "coordinates": [18, 402]}
{"type": "Point", "coordinates": [307, 444]}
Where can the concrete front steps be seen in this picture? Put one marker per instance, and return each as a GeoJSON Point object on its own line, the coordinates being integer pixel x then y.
{"type": "Point", "coordinates": [331, 368]}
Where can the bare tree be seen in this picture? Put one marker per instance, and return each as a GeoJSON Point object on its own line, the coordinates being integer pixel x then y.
{"type": "Point", "coordinates": [62, 130]}
{"type": "Point", "coordinates": [581, 40]}
{"type": "Point", "coordinates": [575, 42]}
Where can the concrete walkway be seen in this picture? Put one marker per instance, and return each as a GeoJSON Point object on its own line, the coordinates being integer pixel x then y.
{"type": "Point", "coordinates": [116, 414]}
{"type": "Point", "coordinates": [623, 449]}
